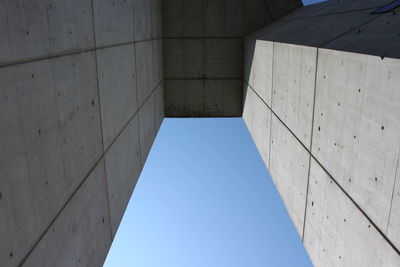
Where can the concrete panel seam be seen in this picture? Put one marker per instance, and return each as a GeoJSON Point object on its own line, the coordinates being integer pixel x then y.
{"type": "Point", "coordinates": [60, 211]}
{"type": "Point", "coordinates": [83, 181]}
{"type": "Point", "coordinates": [133, 22]}
{"type": "Point", "coordinates": [268, 11]}
{"type": "Point", "coordinates": [203, 78]}
{"type": "Point", "coordinates": [339, 36]}
{"type": "Point", "coordinates": [311, 141]}
{"type": "Point", "coordinates": [333, 13]}
{"type": "Point", "coordinates": [357, 26]}
{"type": "Point", "coordinates": [101, 119]}
{"type": "Point", "coordinates": [204, 38]}
{"type": "Point", "coordinates": [136, 81]}
{"type": "Point", "coordinates": [272, 99]}
{"type": "Point", "coordinates": [333, 179]}
{"type": "Point", "coordinates": [71, 52]}
{"type": "Point", "coordinates": [394, 186]}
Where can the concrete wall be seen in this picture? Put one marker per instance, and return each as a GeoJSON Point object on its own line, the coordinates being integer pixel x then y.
{"type": "Point", "coordinates": [327, 124]}
{"type": "Point", "coordinates": [203, 52]}
{"type": "Point", "coordinates": [81, 101]}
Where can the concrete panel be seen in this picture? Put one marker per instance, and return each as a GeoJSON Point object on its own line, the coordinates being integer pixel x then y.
{"type": "Point", "coordinates": [379, 37]}
{"type": "Point", "coordinates": [357, 125]}
{"type": "Point", "coordinates": [117, 86]}
{"type": "Point", "coordinates": [183, 18]}
{"type": "Point", "coordinates": [257, 117]}
{"type": "Point", "coordinates": [144, 69]}
{"type": "Point", "coordinates": [184, 58]}
{"type": "Point", "coordinates": [223, 58]}
{"type": "Point", "coordinates": [147, 127]}
{"type": "Point", "coordinates": [122, 171]}
{"type": "Point", "coordinates": [336, 232]}
{"type": "Point", "coordinates": [156, 19]}
{"type": "Point", "coordinates": [199, 98]}
{"type": "Point", "coordinates": [40, 28]}
{"type": "Point", "coordinates": [249, 46]}
{"type": "Point", "coordinates": [158, 70]}
{"type": "Point", "coordinates": [280, 8]}
{"type": "Point", "coordinates": [143, 20]}
{"type": "Point", "coordinates": [222, 98]}
{"type": "Point", "coordinates": [50, 140]}
{"type": "Point", "coordinates": [293, 88]}
{"type": "Point", "coordinates": [335, 6]}
{"type": "Point", "coordinates": [260, 77]}
{"type": "Point", "coordinates": [393, 231]}
{"type": "Point", "coordinates": [82, 224]}
{"type": "Point", "coordinates": [224, 18]}
{"type": "Point", "coordinates": [233, 98]}
{"type": "Point", "coordinates": [159, 105]}
{"type": "Point", "coordinates": [256, 15]}
{"type": "Point", "coordinates": [315, 31]}
{"type": "Point", "coordinates": [184, 98]}
{"type": "Point", "coordinates": [289, 163]}
{"type": "Point", "coordinates": [113, 21]}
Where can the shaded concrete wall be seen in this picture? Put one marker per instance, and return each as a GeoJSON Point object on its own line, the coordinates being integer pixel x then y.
{"type": "Point", "coordinates": [81, 101]}
{"type": "Point", "coordinates": [203, 52]}
{"type": "Point", "coordinates": [321, 102]}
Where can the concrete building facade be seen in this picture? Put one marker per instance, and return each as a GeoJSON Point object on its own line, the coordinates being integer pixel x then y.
{"type": "Point", "coordinates": [85, 85]}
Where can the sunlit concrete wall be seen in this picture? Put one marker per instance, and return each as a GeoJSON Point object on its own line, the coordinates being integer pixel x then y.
{"type": "Point", "coordinates": [322, 103]}
{"type": "Point", "coordinates": [81, 101]}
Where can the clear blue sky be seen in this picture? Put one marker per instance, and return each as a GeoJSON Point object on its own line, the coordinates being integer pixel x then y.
{"type": "Point", "coordinates": [310, 2]}
{"type": "Point", "coordinates": [205, 199]}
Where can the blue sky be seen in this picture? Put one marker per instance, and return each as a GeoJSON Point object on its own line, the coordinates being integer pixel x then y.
{"type": "Point", "coordinates": [205, 199]}
{"type": "Point", "coordinates": [310, 2]}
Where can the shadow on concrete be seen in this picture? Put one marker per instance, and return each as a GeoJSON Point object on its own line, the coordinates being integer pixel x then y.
{"type": "Point", "coordinates": [347, 25]}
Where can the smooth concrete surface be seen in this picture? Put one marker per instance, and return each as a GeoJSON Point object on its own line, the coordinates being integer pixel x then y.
{"type": "Point", "coordinates": [335, 7]}
{"type": "Point", "coordinates": [289, 164]}
{"type": "Point", "coordinates": [50, 140]}
{"type": "Point", "coordinates": [142, 16]}
{"type": "Point", "coordinates": [80, 236]}
{"type": "Point", "coordinates": [82, 98]}
{"type": "Point", "coordinates": [339, 25]}
{"type": "Point", "coordinates": [203, 43]}
{"type": "Point", "coordinates": [118, 28]}
{"type": "Point", "coordinates": [315, 31]}
{"type": "Point", "coordinates": [81, 102]}
{"type": "Point", "coordinates": [393, 230]}
{"type": "Point", "coordinates": [117, 88]}
{"type": "Point", "coordinates": [198, 98]}
{"type": "Point", "coordinates": [293, 87]}
{"type": "Point", "coordinates": [32, 29]}
{"type": "Point", "coordinates": [368, 39]}
{"type": "Point", "coordinates": [147, 127]}
{"type": "Point", "coordinates": [357, 122]}
{"type": "Point", "coordinates": [260, 67]}
{"type": "Point", "coordinates": [336, 96]}
{"type": "Point", "coordinates": [123, 167]}
{"type": "Point", "coordinates": [336, 232]}
{"type": "Point", "coordinates": [257, 117]}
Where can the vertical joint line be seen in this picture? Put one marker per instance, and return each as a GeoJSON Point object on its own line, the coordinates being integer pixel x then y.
{"type": "Point", "coordinates": [269, 11]}
{"type": "Point", "coordinates": [136, 84]}
{"type": "Point", "coordinates": [311, 141]}
{"type": "Point", "coordinates": [271, 113]}
{"type": "Point", "coordinates": [394, 186]}
{"type": "Point", "coordinates": [101, 119]}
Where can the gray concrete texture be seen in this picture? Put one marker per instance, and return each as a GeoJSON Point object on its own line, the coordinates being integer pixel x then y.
{"type": "Point", "coordinates": [203, 52]}
{"type": "Point", "coordinates": [81, 101]}
{"type": "Point", "coordinates": [333, 130]}
{"type": "Point", "coordinates": [82, 98]}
